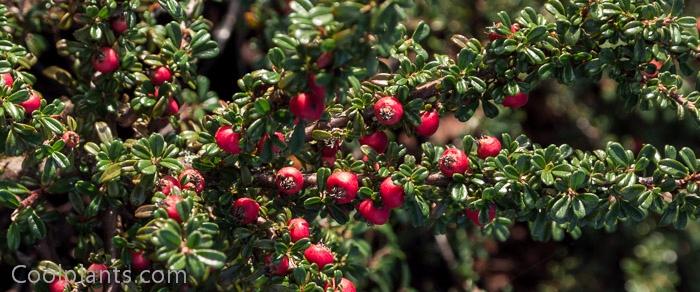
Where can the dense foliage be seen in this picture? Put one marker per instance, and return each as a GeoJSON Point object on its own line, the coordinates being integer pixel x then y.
{"type": "Point", "coordinates": [277, 186]}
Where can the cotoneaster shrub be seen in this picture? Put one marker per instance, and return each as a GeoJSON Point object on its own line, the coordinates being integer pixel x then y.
{"type": "Point", "coordinates": [274, 187]}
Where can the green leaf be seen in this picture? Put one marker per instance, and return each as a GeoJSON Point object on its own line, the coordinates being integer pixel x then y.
{"type": "Point", "coordinates": [211, 257]}
{"type": "Point", "coordinates": [579, 208]}
{"type": "Point", "coordinates": [173, 8]}
{"type": "Point", "coordinates": [577, 180]}
{"type": "Point", "coordinates": [673, 168]}
{"type": "Point", "coordinates": [13, 236]}
{"type": "Point", "coordinates": [296, 143]}
{"type": "Point", "coordinates": [8, 199]}
{"type": "Point", "coordinates": [687, 21]}
{"type": "Point", "coordinates": [459, 192]}
{"type": "Point", "coordinates": [561, 207]}
{"type": "Point", "coordinates": [422, 32]}
{"type": "Point", "coordinates": [536, 34]}
{"type": "Point", "coordinates": [617, 154]}
{"type": "Point", "coordinates": [113, 171]}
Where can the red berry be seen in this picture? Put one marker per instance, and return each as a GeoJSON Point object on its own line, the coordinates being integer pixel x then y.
{"type": "Point", "coordinates": [278, 136]}
{"type": "Point", "coordinates": [317, 90]}
{"type": "Point", "coordinates": [453, 161]}
{"type": "Point", "coordinates": [160, 75]}
{"type": "Point", "coordinates": [494, 35]}
{"type": "Point", "coordinates": [59, 284]}
{"type": "Point", "coordinates": [698, 24]}
{"type": "Point", "coordinates": [342, 186]}
{"type": "Point", "coordinates": [32, 103]}
{"type": "Point", "coordinates": [324, 59]}
{"type": "Point", "coordinates": [474, 215]}
{"type": "Point", "coordinates": [373, 214]}
{"type": "Point", "coordinates": [246, 210]}
{"type": "Point", "coordinates": [307, 106]}
{"type": "Point", "coordinates": [106, 60]}
{"type": "Point", "coordinates": [228, 140]}
{"type": "Point", "coordinates": [515, 27]}
{"type": "Point", "coordinates": [515, 101]}
{"type": "Point", "coordinates": [289, 180]}
{"type": "Point", "coordinates": [657, 66]}
{"type": "Point", "coordinates": [298, 229]}
{"type": "Point", "coordinates": [328, 160]}
{"type": "Point", "coordinates": [488, 147]}
{"type": "Point", "coordinates": [330, 150]}
{"type": "Point", "coordinates": [391, 193]}
{"type": "Point", "coordinates": [319, 254]}
{"type": "Point", "coordinates": [70, 138]}
{"type": "Point", "coordinates": [139, 261]}
{"type": "Point", "coordinates": [192, 180]}
{"type": "Point", "coordinates": [328, 153]}
{"type": "Point", "coordinates": [345, 285]}
{"type": "Point", "coordinates": [167, 183]}
{"type": "Point", "coordinates": [100, 270]}
{"type": "Point", "coordinates": [7, 79]}
{"type": "Point", "coordinates": [429, 123]}
{"type": "Point", "coordinates": [171, 207]}
{"type": "Point", "coordinates": [119, 24]}
{"type": "Point", "coordinates": [172, 108]}
{"type": "Point", "coordinates": [388, 110]}
{"type": "Point", "coordinates": [281, 268]}
{"type": "Point", "coordinates": [377, 141]}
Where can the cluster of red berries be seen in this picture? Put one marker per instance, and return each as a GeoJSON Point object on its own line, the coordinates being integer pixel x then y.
{"type": "Point", "coordinates": [106, 60]}
{"type": "Point", "coordinates": [32, 103]}
{"type": "Point", "coordinates": [454, 160]}
{"type": "Point", "coordinates": [189, 179]}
